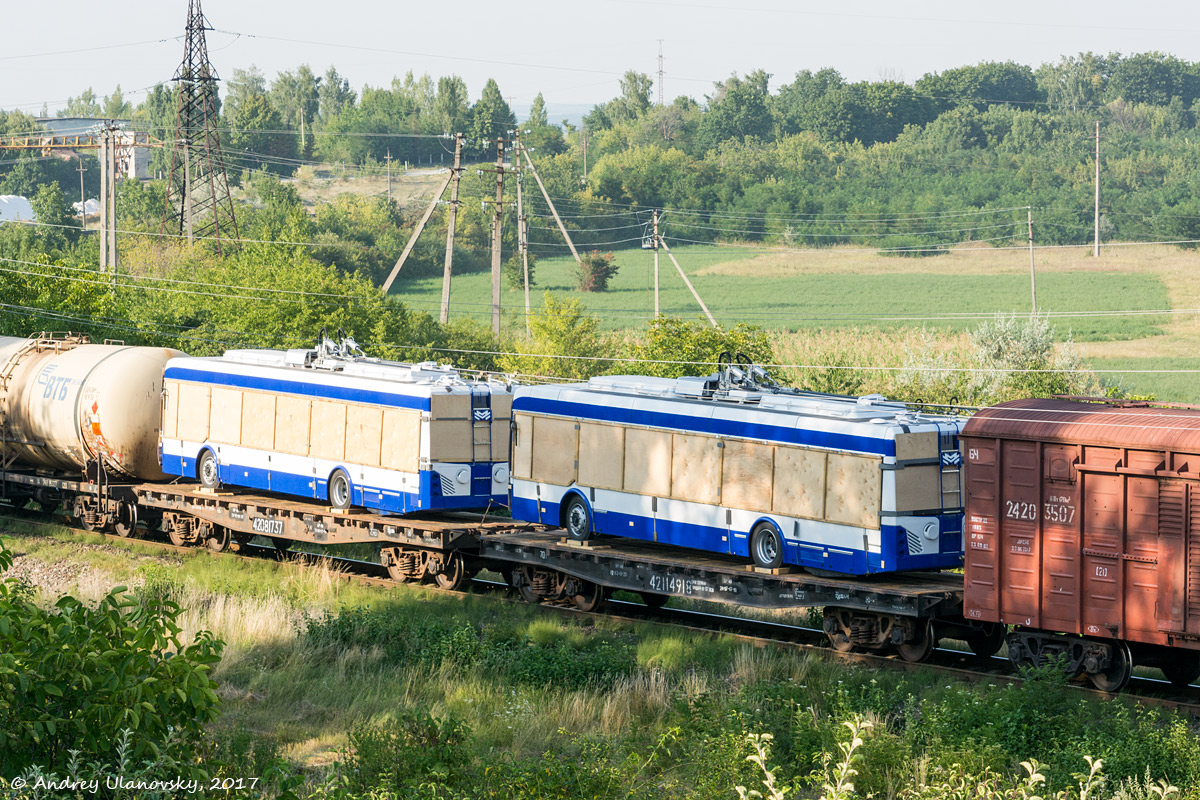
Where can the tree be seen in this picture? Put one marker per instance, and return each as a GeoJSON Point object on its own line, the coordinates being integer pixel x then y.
{"type": "Point", "coordinates": [1153, 78]}
{"type": "Point", "coordinates": [255, 132]}
{"type": "Point", "coordinates": [116, 106]}
{"type": "Point", "coordinates": [490, 117]}
{"type": "Point", "coordinates": [594, 271]}
{"type": "Point", "coordinates": [157, 115]}
{"type": "Point", "coordinates": [561, 327]}
{"type": "Point", "coordinates": [538, 134]}
{"type": "Point", "coordinates": [1075, 82]}
{"type": "Point", "coordinates": [83, 106]}
{"type": "Point", "coordinates": [738, 109]}
{"type": "Point", "coordinates": [334, 95]}
{"type": "Point", "coordinates": [297, 96]}
{"type": "Point", "coordinates": [451, 106]}
{"type": "Point", "coordinates": [244, 86]}
{"type": "Point", "coordinates": [696, 347]}
{"type": "Point", "coordinates": [981, 85]}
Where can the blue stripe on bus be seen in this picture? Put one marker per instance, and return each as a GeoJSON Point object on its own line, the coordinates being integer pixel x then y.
{"type": "Point", "coordinates": [319, 390]}
{"type": "Point", "coordinates": [721, 427]}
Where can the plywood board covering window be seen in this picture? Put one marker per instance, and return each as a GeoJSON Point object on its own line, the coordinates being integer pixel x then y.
{"type": "Point", "coordinates": [747, 472]}
{"type": "Point", "coordinates": [601, 455]}
{"type": "Point", "coordinates": [696, 468]}
{"type": "Point", "coordinates": [919, 488]}
{"type": "Point", "coordinates": [501, 406]}
{"type": "Point", "coordinates": [522, 458]}
{"type": "Point", "coordinates": [226, 425]}
{"type": "Point", "coordinates": [450, 406]}
{"type": "Point", "coordinates": [364, 433]}
{"type": "Point", "coordinates": [400, 447]}
{"type": "Point", "coordinates": [170, 410]}
{"type": "Point", "coordinates": [194, 402]}
{"type": "Point", "coordinates": [258, 420]}
{"type": "Point", "coordinates": [328, 430]}
{"type": "Point", "coordinates": [292, 424]}
{"type": "Point", "coordinates": [853, 485]}
{"type": "Point", "coordinates": [451, 440]}
{"type": "Point", "coordinates": [799, 489]}
{"type": "Point", "coordinates": [501, 430]}
{"type": "Point", "coordinates": [554, 450]}
{"type": "Point", "coordinates": [648, 462]}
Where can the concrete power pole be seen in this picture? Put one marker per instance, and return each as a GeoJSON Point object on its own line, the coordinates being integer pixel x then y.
{"type": "Point", "coordinates": [1032, 278]}
{"type": "Point", "coordinates": [104, 180]}
{"type": "Point", "coordinates": [546, 195]}
{"type": "Point", "coordinates": [1096, 246]}
{"type": "Point", "coordinates": [497, 219]}
{"type": "Point", "coordinates": [456, 171]}
{"type": "Point", "coordinates": [389, 170]}
{"type": "Point", "coordinates": [82, 197]}
{"type": "Point", "coordinates": [111, 167]}
{"type": "Point", "coordinates": [656, 312]}
{"type": "Point", "coordinates": [522, 231]}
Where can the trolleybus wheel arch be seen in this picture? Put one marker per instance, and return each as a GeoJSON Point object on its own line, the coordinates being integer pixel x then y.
{"type": "Point", "coordinates": [766, 547]}
{"type": "Point", "coordinates": [577, 519]}
{"type": "Point", "coordinates": [206, 470]}
{"type": "Point", "coordinates": [341, 491]}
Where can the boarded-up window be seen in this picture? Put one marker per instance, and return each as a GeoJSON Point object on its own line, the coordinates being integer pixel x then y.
{"type": "Point", "coordinates": [799, 489]}
{"type": "Point", "coordinates": [400, 447]}
{"type": "Point", "coordinates": [648, 462]}
{"type": "Point", "coordinates": [226, 425]}
{"type": "Point", "coordinates": [258, 420]}
{"type": "Point", "coordinates": [601, 461]}
{"type": "Point", "coordinates": [554, 450]}
{"type": "Point", "coordinates": [919, 488]}
{"type": "Point", "coordinates": [364, 430]}
{"type": "Point", "coordinates": [746, 475]}
{"type": "Point", "coordinates": [170, 409]}
{"type": "Point", "coordinates": [696, 468]}
{"type": "Point", "coordinates": [450, 406]}
{"type": "Point", "coordinates": [193, 412]}
{"type": "Point", "coordinates": [853, 486]}
{"type": "Point", "coordinates": [911, 446]}
{"type": "Point", "coordinates": [451, 440]}
{"type": "Point", "coordinates": [501, 425]}
{"type": "Point", "coordinates": [522, 458]}
{"type": "Point", "coordinates": [328, 432]}
{"type": "Point", "coordinates": [291, 424]}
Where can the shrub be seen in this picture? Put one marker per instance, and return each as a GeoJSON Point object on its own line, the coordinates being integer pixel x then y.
{"type": "Point", "coordinates": [73, 677]}
{"type": "Point", "coordinates": [514, 272]}
{"type": "Point", "coordinates": [594, 271]}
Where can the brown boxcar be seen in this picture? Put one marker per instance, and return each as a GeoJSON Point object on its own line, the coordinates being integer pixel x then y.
{"type": "Point", "coordinates": [1083, 532]}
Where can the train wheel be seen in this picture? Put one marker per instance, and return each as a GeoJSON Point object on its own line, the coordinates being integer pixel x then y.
{"type": "Point", "coordinates": [577, 520]}
{"type": "Point", "coordinates": [340, 494]}
{"type": "Point", "coordinates": [1117, 675]}
{"type": "Point", "coordinates": [836, 627]}
{"type": "Point", "coordinates": [218, 539]}
{"type": "Point", "coordinates": [177, 533]}
{"type": "Point", "coordinates": [207, 472]}
{"type": "Point", "coordinates": [920, 648]}
{"type": "Point", "coordinates": [454, 574]}
{"type": "Point", "coordinates": [1183, 668]}
{"type": "Point", "coordinates": [281, 545]}
{"type": "Point", "coordinates": [523, 580]}
{"type": "Point", "coordinates": [986, 642]}
{"type": "Point", "coordinates": [590, 596]}
{"type": "Point", "coordinates": [654, 600]}
{"type": "Point", "coordinates": [126, 519]}
{"type": "Point", "coordinates": [765, 547]}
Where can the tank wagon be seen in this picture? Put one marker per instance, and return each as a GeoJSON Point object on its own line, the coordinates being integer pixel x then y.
{"type": "Point", "coordinates": [734, 463]}
{"type": "Point", "coordinates": [331, 424]}
{"type": "Point", "coordinates": [1083, 532]}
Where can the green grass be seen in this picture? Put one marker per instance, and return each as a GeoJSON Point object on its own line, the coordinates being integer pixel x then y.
{"type": "Point", "coordinates": [917, 293]}
{"type": "Point", "coordinates": [1167, 386]}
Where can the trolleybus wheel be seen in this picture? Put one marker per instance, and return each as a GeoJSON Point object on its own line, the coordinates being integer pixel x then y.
{"type": "Point", "coordinates": [1117, 675]}
{"type": "Point", "coordinates": [920, 648]}
{"type": "Point", "coordinates": [765, 547]}
{"type": "Point", "coordinates": [1182, 669]}
{"type": "Point", "coordinates": [207, 472]}
{"type": "Point", "coordinates": [339, 490]}
{"type": "Point", "coordinates": [126, 519]}
{"type": "Point", "coordinates": [590, 596]}
{"type": "Point", "coordinates": [577, 520]}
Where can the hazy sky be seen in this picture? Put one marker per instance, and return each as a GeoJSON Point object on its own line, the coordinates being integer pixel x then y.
{"type": "Point", "coordinates": [573, 56]}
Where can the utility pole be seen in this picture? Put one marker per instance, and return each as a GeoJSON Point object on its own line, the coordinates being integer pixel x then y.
{"type": "Point", "coordinates": [111, 167]}
{"type": "Point", "coordinates": [82, 197]}
{"type": "Point", "coordinates": [412, 239]}
{"type": "Point", "coordinates": [104, 180]}
{"type": "Point", "coordinates": [660, 72]}
{"type": "Point", "coordinates": [656, 264]}
{"type": "Point", "coordinates": [389, 170]}
{"type": "Point", "coordinates": [1096, 246]}
{"type": "Point", "coordinates": [456, 171]}
{"type": "Point", "coordinates": [302, 142]}
{"type": "Point", "coordinates": [497, 219]}
{"type": "Point", "coordinates": [691, 288]}
{"type": "Point", "coordinates": [522, 232]}
{"type": "Point", "coordinates": [1032, 278]}
{"type": "Point", "coordinates": [549, 202]}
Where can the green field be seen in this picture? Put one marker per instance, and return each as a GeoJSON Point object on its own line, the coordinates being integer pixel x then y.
{"type": "Point", "coordinates": [1157, 376]}
{"type": "Point", "coordinates": [904, 292]}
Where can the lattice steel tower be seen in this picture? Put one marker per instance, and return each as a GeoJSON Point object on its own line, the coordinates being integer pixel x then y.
{"type": "Point", "coordinates": [198, 203]}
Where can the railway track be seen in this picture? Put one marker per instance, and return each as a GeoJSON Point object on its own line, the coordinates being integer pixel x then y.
{"type": "Point", "coordinates": [952, 663]}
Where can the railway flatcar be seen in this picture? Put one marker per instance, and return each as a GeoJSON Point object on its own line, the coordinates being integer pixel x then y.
{"type": "Point", "coordinates": [1083, 532]}
{"type": "Point", "coordinates": [734, 463]}
{"type": "Point", "coordinates": [333, 425]}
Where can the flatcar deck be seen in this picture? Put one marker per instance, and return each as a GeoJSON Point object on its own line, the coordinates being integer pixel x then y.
{"type": "Point", "coordinates": [646, 567]}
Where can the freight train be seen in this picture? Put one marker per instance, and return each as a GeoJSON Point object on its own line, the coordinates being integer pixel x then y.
{"type": "Point", "coordinates": [1077, 516]}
